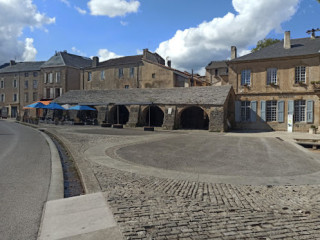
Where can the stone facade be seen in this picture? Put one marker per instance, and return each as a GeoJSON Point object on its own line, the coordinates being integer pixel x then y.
{"type": "Point", "coordinates": [294, 85]}
{"type": "Point", "coordinates": [141, 71]}
{"type": "Point", "coordinates": [20, 85]}
{"type": "Point", "coordinates": [217, 73]}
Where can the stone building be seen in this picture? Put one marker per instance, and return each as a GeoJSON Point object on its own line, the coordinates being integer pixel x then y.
{"type": "Point", "coordinates": [217, 73]}
{"type": "Point", "coordinates": [19, 86]}
{"type": "Point", "coordinates": [209, 108]}
{"type": "Point", "coordinates": [23, 83]}
{"type": "Point", "coordinates": [62, 73]}
{"type": "Point", "coordinates": [140, 71]}
{"type": "Point", "coordinates": [278, 82]}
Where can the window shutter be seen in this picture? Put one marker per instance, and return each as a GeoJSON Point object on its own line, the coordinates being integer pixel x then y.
{"type": "Point", "coordinates": [253, 112]}
{"type": "Point", "coordinates": [51, 92]}
{"type": "Point", "coordinates": [263, 110]}
{"type": "Point", "coordinates": [290, 107]}
{"type": "Point", "coordinates": [237, 111]}
{"type": "Point", "coordinates": [280, 111]}
{"type": "Point", "coordinates": [309, 111]}
{"type": "Point", "coordinates": [45, 93]}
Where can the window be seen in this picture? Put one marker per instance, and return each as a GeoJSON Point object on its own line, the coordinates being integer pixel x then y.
{"type": "Point", "coordinates": [102, 76]}
{"type": "Point", "coordinates": [216, 72]}
{"type": "Point", "coordinates": [15, 97]}
{"type": "Point", "coordinates": [126, 86]}
{"type": "Point", "coordinates": [35, 84]}
{"type": "Point", "coordinates": [272, 76]}
{"type": "Point", "coordinates": [35, 74]}
{"type": "Point", "coordinates": [50, 76]}
{"type": "Point", "coordinates": [120, 72]}
{"type": "Point", "coordinates": [26, 84]}
{"type": "Point", "coordinates": [14, 83]}
{"type": "Point", "coordinates": [271, 111]}
{"type": "Point", "coordinates": [89, 76]}
{"type": "Point", "coordinates": [300, 75]}
{"type": "Point", "coordinates": [34, 96]}
{"type": "Point", "coordinates": [58, 77]}
{"type": "Point", "coordinates": [26, 97]}
{"type": "Point", "coordinates": [246, 77]}
{"type": "Point", "coordinates": [26, 74]}
{"type": "Point", "coordinates": [58, 92]}
{"type": "Point", "coordinates": [2, 97]}
{"type": "Point", "coordinates": [299, 110]}
{"type": "Point", "coordinates": [245, 111]}
{"type": "Point", "coordinates": [131, 72]}
{"type": "Point", "coordinates": [2, 84]}
{"type": "Point", "coordinates": [153, 75]}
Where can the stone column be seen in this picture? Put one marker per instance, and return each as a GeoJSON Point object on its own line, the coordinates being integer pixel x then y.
{"type": "Point", "coordinates": [169, 118]}
{"type": "Point", "coordinates": [134, 112]}
{"type": "Point", "coordinates": [101, 114]}
{"type": "Point", "coordinates": [216, 120]}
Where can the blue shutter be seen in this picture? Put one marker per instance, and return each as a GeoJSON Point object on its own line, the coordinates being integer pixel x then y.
{"type": "Point", "coordinates": [280, 111]}
{"type": "Point", "coordinates": [290, 107]}
{"type": "Point", "coordinates": [309, 111]}
{"type": "Point", "coordinates": [237, 111]}
{"type": "Point", "coordinates": [263, 110]}
{"type": "Point", "coordinates": [253, 112]}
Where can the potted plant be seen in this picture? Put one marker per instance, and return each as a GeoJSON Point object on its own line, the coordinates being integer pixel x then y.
{"type": "Point", "coordinates": [313, 129]}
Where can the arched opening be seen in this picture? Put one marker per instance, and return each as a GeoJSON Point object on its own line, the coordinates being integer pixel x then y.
{"type": "Point", "coordinates": [118, 114]}
{"type": "Point", "coordinates": [194, 118]}
{"type": "Point", "coordinates": [156, 116]}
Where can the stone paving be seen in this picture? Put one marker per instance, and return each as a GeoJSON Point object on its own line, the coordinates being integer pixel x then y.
{"type": "Point", "coordinates": [149, 207]}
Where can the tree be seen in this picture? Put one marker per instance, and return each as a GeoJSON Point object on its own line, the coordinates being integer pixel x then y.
{"type": "Point", "coordinates": [265, 43]}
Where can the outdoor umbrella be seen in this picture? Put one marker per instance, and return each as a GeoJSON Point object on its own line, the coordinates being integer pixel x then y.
{"type": "Point", "coordinates": [82, 108]}
{"type": "Point", "coordinates": [66, 106]}
{"type": "Point", "coordinates": [36, 105]}
{"type": "Point", "coordinates": [54, 106]}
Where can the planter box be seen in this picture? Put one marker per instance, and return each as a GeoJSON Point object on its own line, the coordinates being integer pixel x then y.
{"type": "Point", "coordinates": [108, 125]}
{"type": "Point", "coordinates": [151, 129]}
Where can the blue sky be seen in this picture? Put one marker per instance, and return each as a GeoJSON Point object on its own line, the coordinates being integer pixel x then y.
{"type": "Point", "coordinates": [208, 28]}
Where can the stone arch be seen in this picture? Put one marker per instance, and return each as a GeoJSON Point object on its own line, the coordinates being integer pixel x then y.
{"type": "Point", "coordinates": [156, 116]}
{"type": "Point", "coordinates": [123, 114]}
{"type": "Point", "coordinates": [193, 117]}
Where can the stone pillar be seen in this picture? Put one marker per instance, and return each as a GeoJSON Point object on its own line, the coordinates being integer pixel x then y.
{"type": "Point", "coordinates": [101, 114]}
{"type": "Point", "coordinates": [134, 112]}
{"type": "Point", "coordinates": [169, 117]}
{"type": "Point", "coordinates": [216, 120]}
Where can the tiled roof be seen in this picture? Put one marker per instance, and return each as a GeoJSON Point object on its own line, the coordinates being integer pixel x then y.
{"type": "Point", "coordinates": [22, 67]}
{"type": "Point", "coordinates": [66, 59]}
{"type": "Point", "coordinates": [128, 60]}
{"type": "Point", "coordinates": [190, 96]}
{"type": "Point", "coordinates": [299, 47]}
{"type": "Point", "coordinates": [217, 64]}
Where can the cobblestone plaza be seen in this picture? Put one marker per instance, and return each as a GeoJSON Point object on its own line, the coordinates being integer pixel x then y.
{"type": "Point", "coordinates": [155, 203]}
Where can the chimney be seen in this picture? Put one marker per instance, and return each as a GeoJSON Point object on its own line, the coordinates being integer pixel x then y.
{"type": "Point", "coordinates": [233, 52]}
{"type": "Point", "coordinates": [95, 62]}
{"type": "Point", "coordinates": [287, 41]}
{"type": "Point", "coordinates": [145, 53]}
{"type": "Point", "coordinates": [12, 62]}
{"type": "Point", "coordinates": [169, 63]}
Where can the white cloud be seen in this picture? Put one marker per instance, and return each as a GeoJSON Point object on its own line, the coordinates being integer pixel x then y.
{"type": "Point", "coordinates": [105, 54]}
{"type": "Point", "coordinates": [113, 8]}
{"type": "Point", "coordinates": [66, 2]}
{"type": "Point", "coordinates": [139, 51]}
{"type": "Point", "coordinates": [30, 52]}
{"type": "Point", "coordinates": [15, 15]}
{"type": "Point", "coordinates": [81, 11]}
{"type": "Point", "coordinates": [77, 51]}
{"type": "Point", "coordinates": [196, 47]}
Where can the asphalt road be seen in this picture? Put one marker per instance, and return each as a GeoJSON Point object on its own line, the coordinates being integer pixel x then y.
{"type": "Point", "coordinates": [25, 170]}
{"type": "Point", "coordinates": [216, 154]}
